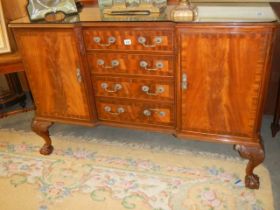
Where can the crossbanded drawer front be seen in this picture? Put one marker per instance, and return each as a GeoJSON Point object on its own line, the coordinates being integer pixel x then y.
{"type": "Point", "coordinates": [138, 40]}
{"type": "Point", "coordinates": [113, 63]}
{"type": "Point", "coordinates": [144, 113]}
{"type": "Point", "coordinates": [162, 90]}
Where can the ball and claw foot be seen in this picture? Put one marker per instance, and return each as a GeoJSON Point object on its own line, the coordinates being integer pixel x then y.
{"type": "Point", "coordinates": [255, 155]}
{"type": "Point", "coordinates": [46, 149]}
{"type": "Point", "coordinates": [252, 181]}
{"type": "Point", "coordinates": [41, 128]}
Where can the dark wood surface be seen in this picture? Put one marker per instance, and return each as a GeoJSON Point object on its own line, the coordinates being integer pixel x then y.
{"type": "Point", "coordinates": [275, 125]}
{"type": "Point", "coordinates": [227, 68]}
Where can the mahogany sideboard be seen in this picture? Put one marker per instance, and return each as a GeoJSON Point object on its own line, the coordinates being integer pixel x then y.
{"type": "Point", "coordinates": [198, 80]}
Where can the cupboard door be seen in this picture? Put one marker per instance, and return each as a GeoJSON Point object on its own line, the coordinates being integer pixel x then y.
{"type": "Point", "coordinates": [224, 72]}
{"type": "Point", "coordinates": [55, 73]}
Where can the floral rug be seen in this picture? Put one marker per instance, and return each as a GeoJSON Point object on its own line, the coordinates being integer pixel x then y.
{"type": "Point", "coordinates": [98, 175]}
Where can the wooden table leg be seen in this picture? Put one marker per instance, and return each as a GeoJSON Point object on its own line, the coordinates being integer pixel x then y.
{"type": "Point", "coordinates": [41, 128]}
{"type": "Point", "coordinates": [255, 155]}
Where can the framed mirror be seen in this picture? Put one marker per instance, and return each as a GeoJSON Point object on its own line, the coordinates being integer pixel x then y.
{"type": "Point", "coordinates": [4, 40]}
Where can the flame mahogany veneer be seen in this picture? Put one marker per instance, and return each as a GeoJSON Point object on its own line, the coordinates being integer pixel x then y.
{"type": "Point", "coordinates": [195, 80]}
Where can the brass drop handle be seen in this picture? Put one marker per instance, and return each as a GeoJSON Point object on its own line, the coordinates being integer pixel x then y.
{"type": "Point", "coordinates": [144, 64]}
{"type": "Point", "coordinates": [111, 41]}
{"type": "Point", "coordinates": [184, 81]}
{"type": "Point", "coordinates": [156, 41]}
{"type": "Point", "coordinates": [148, 112]}
{"type": "Point", "coordinates": [79, 75]}
{"type": "Point", "coordinates": [114, 64]}
{"type": "Point", "coordinates": [159, 90]}
{"type": "Point", "coordinates": [119, 110]}
{"type": "Point", "coordinates": [115, 88]}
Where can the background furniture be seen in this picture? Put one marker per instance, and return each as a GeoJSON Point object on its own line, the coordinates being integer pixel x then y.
{"type": "Point", "coordinates": [11, 68]}
{"type": "Point", "coordinates": [10, 65]}
{"type": "Point", "coordinates": [275, 126]}
{"type": "Point", "coordinates": [14, 9]}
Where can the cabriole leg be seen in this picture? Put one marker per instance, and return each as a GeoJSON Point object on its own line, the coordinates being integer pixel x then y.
{"type": "Point", "coordinates": [255, 155]}
{"type": "Point", "coordinates": [41, 128]}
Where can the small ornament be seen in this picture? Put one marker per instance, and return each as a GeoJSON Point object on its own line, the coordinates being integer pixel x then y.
{"type": "Point", "coordinates": [184, 12]}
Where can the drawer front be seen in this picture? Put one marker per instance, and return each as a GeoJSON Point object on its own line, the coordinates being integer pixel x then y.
{"type": "Point", "coordinates": [134, 88]}
{"type": "Point", "coordinates": [112, 63]}
{"type": "Point", "coordinates": [140, 113]}
{"type": "Point", "coordinates": [140, 40]}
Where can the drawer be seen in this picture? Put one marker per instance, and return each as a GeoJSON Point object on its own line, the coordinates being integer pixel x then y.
{"type": "Point", "coordinates": [140, 113]}
{"type": "Point", "coordinates": [112, 63]}
{"type": "Point", "coordinates": [138, 40]}
{"type": "Point", "coordinates": [162, 90]}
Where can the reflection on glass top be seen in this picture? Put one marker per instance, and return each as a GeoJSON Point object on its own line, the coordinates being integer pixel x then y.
{"type": "Point", "coordinates": [207, 12]}
{"type": "Point", "coordinates": [132, 7]}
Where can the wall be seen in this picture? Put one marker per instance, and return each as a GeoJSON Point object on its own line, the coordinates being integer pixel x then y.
{"type": "Point", "coordinates": [14, 9]}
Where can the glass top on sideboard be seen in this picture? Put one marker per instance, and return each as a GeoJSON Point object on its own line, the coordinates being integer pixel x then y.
{"type": "Point", "coordinates": [207, 12]}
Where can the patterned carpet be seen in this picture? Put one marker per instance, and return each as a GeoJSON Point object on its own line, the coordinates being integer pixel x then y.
{"type": "Point", "coordinates": [102, 175]}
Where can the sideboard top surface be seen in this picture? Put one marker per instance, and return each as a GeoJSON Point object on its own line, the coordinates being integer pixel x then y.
{"type": "Point", "coordinates": [238, 13]}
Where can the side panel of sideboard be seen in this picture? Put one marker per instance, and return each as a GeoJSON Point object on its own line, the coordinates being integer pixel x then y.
{"type": "Point", "coordinates": [223, 76]}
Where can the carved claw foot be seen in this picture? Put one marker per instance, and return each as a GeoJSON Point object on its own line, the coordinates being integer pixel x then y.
{"type": "Point", "coordinates": [41, 128]}
{"type": "Point", "coordinates": [255, 155]}
{"type": "Point", "coordinates": [46, 149]}
{"type": "Point", "coordinates": [252, 181]}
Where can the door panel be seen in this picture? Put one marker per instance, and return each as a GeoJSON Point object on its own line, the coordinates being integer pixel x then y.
{"type": "Point", "coordinates": [52, 64]}
{"type": "Point", "coordinates": [225, 70]}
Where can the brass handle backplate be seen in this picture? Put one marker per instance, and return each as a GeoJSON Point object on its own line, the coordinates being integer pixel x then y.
{"type": "Point", "coordinates": [114, 64]}
{"type": "Point", "coordinates": [144, 64]}
{"type": "Point", "coordinates": [159, 90]}
{"type": "Point", "coordinates": [148, 112]}
{"type": "Point", "coordinates": [156, 41]}
{"type": "Point", "coordinates": [115, 88]}
{"type": "Point", "coordinates": [119, 110]}
{"type": "Point", "coordinates": [111, 40]}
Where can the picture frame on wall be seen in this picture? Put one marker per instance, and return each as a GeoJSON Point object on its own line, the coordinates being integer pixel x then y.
{"type": "Point", "coordinates": [4, 40]}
